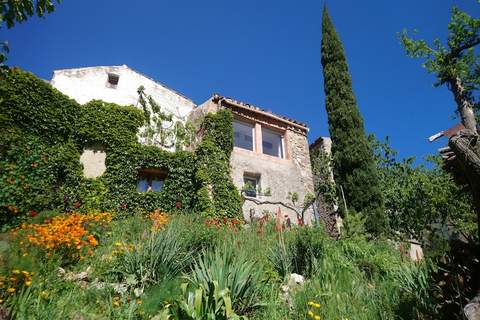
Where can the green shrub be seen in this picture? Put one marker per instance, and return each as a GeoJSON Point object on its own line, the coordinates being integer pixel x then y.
{"type": "Point", "coordinates": [306, 249]}
{"type": "Point", "coordinates": [226, 269]}
{"type": "Point", "coordinates": [107, 124]}
{"type": "Point", "coordinates": [201, 304]}
{"type": "Point", "coordinates": [35, 107]}
{"type": "Point", "coordinates": [33, 175]}
{"type": "Point", "coordinates": [158, 257]}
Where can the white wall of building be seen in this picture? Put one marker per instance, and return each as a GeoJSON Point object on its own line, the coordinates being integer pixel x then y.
{"type": "Point", "coordinates": [85, 84]}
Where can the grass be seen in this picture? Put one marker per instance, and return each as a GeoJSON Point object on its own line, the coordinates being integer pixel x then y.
{"type": "Point", "coordinates": [349, 279]}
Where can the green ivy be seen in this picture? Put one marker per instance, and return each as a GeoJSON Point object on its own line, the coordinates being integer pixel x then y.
{"type": "Point", "coordinates": [45, 132]}
{"type": "Point", "coordinates": [33, 105]}
{"type": "Point", "coordinates": [107, 124]}
{"type": "Point", "coordinates": [217, 194]}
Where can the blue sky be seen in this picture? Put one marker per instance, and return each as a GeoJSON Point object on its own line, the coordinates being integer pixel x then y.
{"type": "Point", "coordinates": [265, 53]}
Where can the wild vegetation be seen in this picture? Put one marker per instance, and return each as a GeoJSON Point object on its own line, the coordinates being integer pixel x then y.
{"type": "Point", "coordinates": [188, 267]}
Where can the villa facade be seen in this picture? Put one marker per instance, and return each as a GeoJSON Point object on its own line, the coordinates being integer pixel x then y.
{"type": "Point", "coordinates": [270, 155]}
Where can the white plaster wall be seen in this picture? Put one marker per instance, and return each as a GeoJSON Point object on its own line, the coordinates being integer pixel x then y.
{"type": "Point", "coordinates": [85, 84]}
{"type": "Point", "coordinates": [93, 162]}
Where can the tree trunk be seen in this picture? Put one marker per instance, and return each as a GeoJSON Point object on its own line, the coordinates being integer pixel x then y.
{"type": "Point", "coordinates": [464, 104]}
{"type": "Point", "coordinates": [466, 163]}
{"type": "Point", "coordinates": [466, 147]}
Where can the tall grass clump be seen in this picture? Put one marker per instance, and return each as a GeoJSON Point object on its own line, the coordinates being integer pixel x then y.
{"type": "Point", "coordinates": [358, 279]}
{"type": "Point", "coordinates": [159, 256]}
{"type": "Point", "coordinates": [226, 269]}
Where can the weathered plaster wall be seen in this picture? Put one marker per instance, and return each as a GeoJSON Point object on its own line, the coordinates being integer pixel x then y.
{"type": "Point", "coordinates": [85, 84]}
{"type": "Point", "coordinates": [93, 161]}
{"type": "Point", "coordinates": [282, 176]}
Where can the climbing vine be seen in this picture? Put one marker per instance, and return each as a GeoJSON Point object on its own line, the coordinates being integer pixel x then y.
{"type": "Point", "coordinates": [45, 132]}
{"type": "Point", "coordinates": [159, 128]}
{"type": "Point", "coordinates": [217, 194]}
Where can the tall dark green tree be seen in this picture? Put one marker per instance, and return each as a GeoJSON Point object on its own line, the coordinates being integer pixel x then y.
{"type": "Point", "coordinates": [354, 169]}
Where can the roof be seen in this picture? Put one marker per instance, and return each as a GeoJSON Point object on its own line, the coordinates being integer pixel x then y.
{"type": "Point", "coordinates": [217, 97]}
{"type": "Point", "coordinates": [450, 132]}
{"type": "Point", "coordinates": [318, 142]}
{"type": "Point", "coordinates": [138, 72]}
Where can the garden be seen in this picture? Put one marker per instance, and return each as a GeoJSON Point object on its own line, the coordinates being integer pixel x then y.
{"type": "Point", "coordinates": [160, 266]}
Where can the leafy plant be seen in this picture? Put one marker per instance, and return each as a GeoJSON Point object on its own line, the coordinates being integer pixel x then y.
{"type": "Point", "coordinates": [201, 304]}
{"type": "Point", "coordinates": [157, 257]}
{"type": "Point", "coordinates": [226, 269]}
{"type": "Point", "coordinates": [306, 249]}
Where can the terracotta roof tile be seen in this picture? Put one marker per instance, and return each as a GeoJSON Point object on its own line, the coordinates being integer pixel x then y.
{"type": "Point", "coordinates": [256, 108]}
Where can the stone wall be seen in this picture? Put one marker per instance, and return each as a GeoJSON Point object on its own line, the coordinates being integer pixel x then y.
{"type": "Point", "coordinates": [282, 176]}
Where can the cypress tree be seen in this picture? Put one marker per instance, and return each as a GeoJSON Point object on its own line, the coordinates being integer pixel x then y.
{"type": "Point", "coordinates": [353, 166]}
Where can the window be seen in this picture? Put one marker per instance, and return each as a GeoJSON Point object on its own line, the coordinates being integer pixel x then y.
{"type": "Point", "coordinates": [112, 80]}
{"type": "Point", "coordinates": [150, 180]}
{"type": "Point", "coordinates": [250, 185]}
{"type": "Point", "coordinates": [243, 135]}
{"type": "Point", "coordinates": [272, 143]}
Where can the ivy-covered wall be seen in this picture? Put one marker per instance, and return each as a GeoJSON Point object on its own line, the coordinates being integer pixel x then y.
{"type": "Point", "coordinates": [217, 195]}
{"type": "Point", "coordinates": [43, 133]}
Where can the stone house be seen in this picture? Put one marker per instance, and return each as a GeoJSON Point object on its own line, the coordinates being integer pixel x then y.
{"type": "Point", "coordinates": [270, 153]}
{"type": "Point", "coordinates": [270, 162]}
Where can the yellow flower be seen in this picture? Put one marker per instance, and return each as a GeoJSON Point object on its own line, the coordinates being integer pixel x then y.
{"type": "Point", "coordinates": [116, 304]}
{"type": "Point", "coordinates": [16, 271]}
{"type": "Point", "coordinates": [139, 301]}
{"type": "Point", "coordinates": [11, 290]}
{"type": "Point", "coordinates": [44, 294]}
{"type": "Point", "coordinates": [317, 318]}
{"type": "Point", "coordinates": [317, 305]}
{"type": "Point", "coordinates": [25, 273]}
{"type": "Point", "coordinates": [311, 303]}
{"type": "Point", "coordinates": [28, 283]}
{"type": "Point", "coordinates": [310, 314]}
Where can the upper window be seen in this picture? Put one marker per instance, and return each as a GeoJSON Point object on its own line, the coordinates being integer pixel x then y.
{"type": "Point", "coordinates": [243, 135]}
{"type": "Point", "coordinates": [113, 79]}
{"type": "Point", "coordinates": [150, 180]}
{"type": "Point", "coordinates": [272, 143]}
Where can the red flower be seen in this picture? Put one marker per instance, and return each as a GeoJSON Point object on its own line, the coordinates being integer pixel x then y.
{"type": "Point", "coordinates": [77, 204]}
{"type": "Point", "coordinates": [33, 213]}
{"type": "Point", "coordinates": [178, 205]}
{"type": "Point", "coordinates": [300, 222]}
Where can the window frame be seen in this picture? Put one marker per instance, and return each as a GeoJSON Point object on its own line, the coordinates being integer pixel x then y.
{"type": "Point", "coordinates": [150, 175]}
{"type": "Point", "coordinates": [249, 178]}
{"type": "Point", "coordinates": [247, 124]}
{"type": "Point", "coordinates": [112, 76]}
{"type": "Point", "coordinates": [281, 144]}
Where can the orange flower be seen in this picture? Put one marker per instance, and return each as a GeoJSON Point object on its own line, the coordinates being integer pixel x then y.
{"type": "Point", "coordinates": [159, 220]}
{"type": "Point", "coordinates": [70, 232]}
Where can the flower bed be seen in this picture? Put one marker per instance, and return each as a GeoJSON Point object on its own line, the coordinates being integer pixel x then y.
{"type": "Point", "coordinates": [72, 236]}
